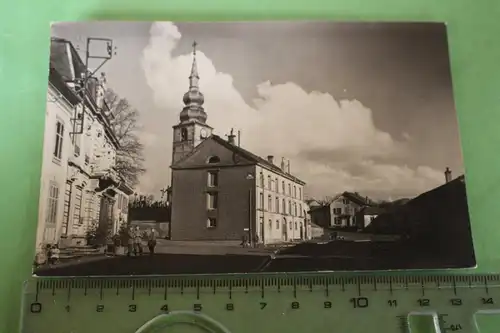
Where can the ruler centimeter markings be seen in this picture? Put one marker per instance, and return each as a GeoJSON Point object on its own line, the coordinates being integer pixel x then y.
{"type": "Point", "coordinates": [267, 303]}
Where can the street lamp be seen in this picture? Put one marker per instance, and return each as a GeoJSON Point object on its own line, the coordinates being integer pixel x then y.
{"type": "Point", "coordinates": [250, 177]}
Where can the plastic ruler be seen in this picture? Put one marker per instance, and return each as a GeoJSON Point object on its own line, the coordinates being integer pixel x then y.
{"type": "Point", "coordinates": [275, 303]}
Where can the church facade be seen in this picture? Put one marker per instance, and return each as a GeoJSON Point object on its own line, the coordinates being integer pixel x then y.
{"type": "Point", "coordinates": [222, 192]}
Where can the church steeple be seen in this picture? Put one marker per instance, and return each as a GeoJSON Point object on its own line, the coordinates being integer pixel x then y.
{"type": "Point", "coordinates": [193, 98]}
{"type": "Point", "coordinates": [194, 77]}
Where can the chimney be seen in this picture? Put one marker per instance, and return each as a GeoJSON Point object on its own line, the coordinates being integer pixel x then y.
{"type": "Point", "coordinates": [283, 164]}
{"type": "Point", "coordinates": [288, 167]}
{"type": "Point", "coordinates": [270, 159]}
{"type": "Point", "coordinates": [447, 175]}
{"type": "Point", "coordinates": [231, 137]}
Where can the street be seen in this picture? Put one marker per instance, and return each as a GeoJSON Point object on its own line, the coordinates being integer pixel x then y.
{"type": "Point", "coordinates": [177, 257]}
{"type": "Point", "coordinates": [171, 257]}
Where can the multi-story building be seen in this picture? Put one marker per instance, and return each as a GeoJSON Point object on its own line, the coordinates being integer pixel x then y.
{"type": "Point", "coordinates": [79, 186]}
{"type": "Point", "coordinates": [280, 205]}
{"type": "Point", "coordinates": [341, 211]}
{"type": "Point", "coordinates": [221, 191]}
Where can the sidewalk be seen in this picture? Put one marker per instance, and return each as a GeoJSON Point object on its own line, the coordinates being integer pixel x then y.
{"type": "Point", "coordinates": [75, 261]}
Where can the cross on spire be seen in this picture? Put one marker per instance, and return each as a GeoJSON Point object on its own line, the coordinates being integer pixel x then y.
{"type": "Point", "coordinates": [194, 47]}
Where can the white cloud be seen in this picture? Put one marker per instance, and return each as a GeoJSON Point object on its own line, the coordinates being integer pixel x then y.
{"type": "Point", "coordinates": [285, 121]}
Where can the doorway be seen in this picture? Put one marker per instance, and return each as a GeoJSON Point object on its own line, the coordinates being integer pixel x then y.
{"type": "Point", "coordinates": [284, 230]}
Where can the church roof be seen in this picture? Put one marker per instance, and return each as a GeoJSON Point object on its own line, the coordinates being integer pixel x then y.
{"type": "Point", "coordinates": [243, 153]}
{"type": "Point", "coordinates": [255, 158]}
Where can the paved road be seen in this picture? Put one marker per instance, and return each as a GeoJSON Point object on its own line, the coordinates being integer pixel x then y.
{"type": "Point", "coordinates": [171, 258]}
{"type": "Point", "coordinates": [161, 264]}
{"type": "Point", "coordinates": [210, 258]}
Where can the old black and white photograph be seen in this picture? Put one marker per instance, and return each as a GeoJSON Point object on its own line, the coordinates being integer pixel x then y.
{"type": "Point", "coordinates": [246, 147]}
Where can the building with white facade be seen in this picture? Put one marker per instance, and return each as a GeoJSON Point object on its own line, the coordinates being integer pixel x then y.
{"type": "Point", "coordinates": [280, 205]}
{"type": "Point", "coordinates": [79, 187]}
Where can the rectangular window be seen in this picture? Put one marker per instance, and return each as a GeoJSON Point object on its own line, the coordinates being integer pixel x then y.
{"type": "Point", "coordinates": [75, 140]}
{"type": "Point", "coordinates": [283, 186]}
{"type": "Point", "coordinates": [277, 205]}
{"type": "Point", "coordinates": [213, 179]}
{"type": "Point", "coordinates": [294, 191]}
{"type": "Point", "coordinates": [59, 140]}
{"type": "Point", "coordinates": [261, 200]}
{"type": "Point", "coordinates": [300, 193]}
{"type": "Point", "coordinates": [300, 210]}
{"type": "Point", "coordinates": [212, 201]}
{"type": "Point", "coordinates": [337, 211]}
{"type": "Point", "coordinates": [289, 190]}
{"type": "Point", "coordinates": [295, 209]}
{"type": "Point", "coordinates": [283, 207]}
{"type": "Point", "coordinates": [52, 200]}
{"type": "Point", "coordinates": [211, 222]}
{"type": "Point", "coordinates": [289, 207]}
{"type": "Point", "coordinates": [67, 201]}
{"type": "Point", "coordinates": [77, 210]}
{"type": "Point", "coordinates": [276, 184]}
{"type": "Point", "coordinates": [125, 204]}
{"type": "Point", "coordinates": [269, 203]}
{"type": "Point", "coordinates": [345, 201]}
{"type": "Point", "coordinates": [277, 224]}
{"type": "Point", "coordinates": [261, 180]}
{"type": "Point", "coordinates": [337, 221]}
{"type": "Point", "coordinates": [269, 182]}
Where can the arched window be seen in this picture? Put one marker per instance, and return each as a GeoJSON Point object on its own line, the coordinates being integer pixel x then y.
{"type": "Point", "coordinates": [283, 186]}
{"type": "Point", "coordinates": [269, 182]}
{"type": "Point", "coordinates": [261, 180]}
{"type": "Point", "coordinates": [270, 224]}
{"type": "Point", "coordinates": [277, 224]}
{"type": "Point", "coordinates": [184, 134]}
{"type": "Point", "coordinates": [294, 191]}
{"type": "Point", "coordinates": [277, 205]}
{"type": "Point", "coordinates": [269, 203]}
{"type": "Point", "coordinates": [283, 206]}
{"type": "Point", "coordinates": [277, 185]}
{"type": "Point", "coordinates": [213, 160]}
{"type": "Point", "coordinates": [295, 209]}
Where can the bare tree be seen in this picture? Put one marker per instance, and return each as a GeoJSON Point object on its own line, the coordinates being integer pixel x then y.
{"type": "Point", "coordinates": [325, 201]}
{"type": "Point", "coordinates": [129, 158]}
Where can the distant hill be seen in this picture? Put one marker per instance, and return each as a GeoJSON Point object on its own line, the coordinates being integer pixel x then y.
{"type": "Point", "coordinates": [395, 203]}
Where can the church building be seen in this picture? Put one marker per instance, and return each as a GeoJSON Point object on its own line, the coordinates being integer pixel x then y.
{"type": "Point", "coordinates": [222, 192]}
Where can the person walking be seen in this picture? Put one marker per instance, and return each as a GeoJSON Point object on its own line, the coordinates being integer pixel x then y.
{"type": "Point", "coordinates": [152, 241]}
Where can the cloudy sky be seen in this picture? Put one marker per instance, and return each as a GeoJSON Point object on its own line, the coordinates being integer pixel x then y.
{"type": "Point", "coordinates": [359, 107]}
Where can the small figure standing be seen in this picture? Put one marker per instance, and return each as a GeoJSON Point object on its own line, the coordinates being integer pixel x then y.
{"type": "Point", "coordinates": [137, 241]}
{"type": "Point", "coordinates": [152, 241]}
{"type": "Point", "coordinates": [54, 254]}
{"type": "Point", "coordinates": [244, 240]}
{"type": "Point", "coordinates": [130, 241]}
{"type": "Point", "coordinates": [255, 240]}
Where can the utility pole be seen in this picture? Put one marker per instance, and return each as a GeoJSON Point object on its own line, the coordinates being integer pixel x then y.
{"type": "Point", "coordinates": [82, 83]}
